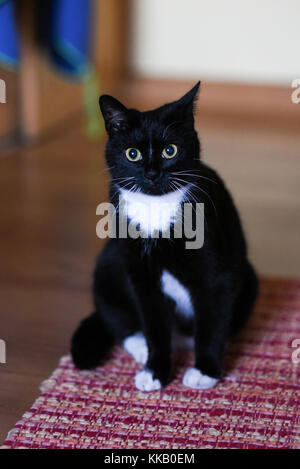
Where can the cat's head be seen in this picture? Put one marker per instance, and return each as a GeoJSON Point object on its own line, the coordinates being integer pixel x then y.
{"type": "Point", "coordinates": [145, 148]}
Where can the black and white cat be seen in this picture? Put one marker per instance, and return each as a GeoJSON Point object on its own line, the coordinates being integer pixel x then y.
{"type": "Point", "coordinates": [146, 290]}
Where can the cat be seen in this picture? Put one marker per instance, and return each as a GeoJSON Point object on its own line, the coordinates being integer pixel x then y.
{"type": "Point", "coordinates": [146, 290]}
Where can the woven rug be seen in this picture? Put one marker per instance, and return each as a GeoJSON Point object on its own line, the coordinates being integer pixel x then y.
{"type": "Point", "coordinates": [256, 405]}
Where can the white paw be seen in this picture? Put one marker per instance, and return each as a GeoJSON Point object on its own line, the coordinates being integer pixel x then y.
{"type": "Point", "coordinates": [137, 347]}
{"type": "Point", "coordinates": [144, 381]}
{"type": "Point", "coordinates": [193, 378]}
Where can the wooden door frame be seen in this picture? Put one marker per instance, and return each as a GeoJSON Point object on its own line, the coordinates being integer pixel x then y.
{"type": "Point", "coordinates": [111, 46]}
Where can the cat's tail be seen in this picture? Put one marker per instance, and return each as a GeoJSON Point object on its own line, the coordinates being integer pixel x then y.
{"type": "Point", "coordinates": [91, 342]}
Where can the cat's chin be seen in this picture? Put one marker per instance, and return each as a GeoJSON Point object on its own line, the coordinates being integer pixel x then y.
{"type": "Point", "coordinates": [156, 190]}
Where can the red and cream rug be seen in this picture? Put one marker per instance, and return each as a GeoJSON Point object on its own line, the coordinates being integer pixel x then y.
{"type": "Point", "coordinates": [256, 405]}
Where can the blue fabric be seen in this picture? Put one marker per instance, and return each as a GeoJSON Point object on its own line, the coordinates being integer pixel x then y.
{"type": "Point", "coordinates": [69, 38]}
{"type": "Point", "coordinates": [65, 25]}
{"type": "Point", "coordinates": [9, 40]}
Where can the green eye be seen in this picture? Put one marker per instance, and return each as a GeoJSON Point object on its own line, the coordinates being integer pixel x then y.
{"type": "Point", "coordinates": [133, 154]}
{"type": "Point", "coordinates": [169, 151]}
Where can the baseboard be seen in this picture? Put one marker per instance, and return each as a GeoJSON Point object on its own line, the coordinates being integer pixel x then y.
{"type": "Point", "coordinates": [259, 102]}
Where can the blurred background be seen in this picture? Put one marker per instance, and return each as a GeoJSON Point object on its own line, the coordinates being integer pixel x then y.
{"type": "Point", "coordinates": [56, 57]}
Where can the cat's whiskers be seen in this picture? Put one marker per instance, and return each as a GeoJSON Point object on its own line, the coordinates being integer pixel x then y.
{"type": "Point", "coordinates": [202, 190]}
{"type": "Point", "coordinates": [181, 188]}
{"type": "Point", "coordinates": [187, 194]}
{"type": "Point", "coordinates": [184, 188]}
{"type": "Point", "coordinates": [106, 169]}
{"type": "Point", "coordinates": [118, 191]}
{"type": "Point", "coordinates": [133, 189]}
{"type": "Point", "coordinates": [174, 188]}
{"type": "Point", "coordinates": [126, 178]}
{"type": "Point", "coordinates": [188, 173]}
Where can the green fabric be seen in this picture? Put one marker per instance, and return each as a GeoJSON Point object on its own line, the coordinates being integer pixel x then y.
{"type": "Point", "coordinates": [91, 91]}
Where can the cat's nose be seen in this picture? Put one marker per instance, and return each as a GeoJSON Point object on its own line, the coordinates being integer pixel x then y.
{"type": "Point", "coordinates": [151, 174]}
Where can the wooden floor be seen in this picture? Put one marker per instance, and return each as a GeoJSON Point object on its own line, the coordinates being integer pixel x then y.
{"type": "Point", "coordinates": [48, 198]}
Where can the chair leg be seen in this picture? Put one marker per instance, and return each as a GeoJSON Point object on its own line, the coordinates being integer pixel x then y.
{"type": "Point", "coordinates": [28, 74]}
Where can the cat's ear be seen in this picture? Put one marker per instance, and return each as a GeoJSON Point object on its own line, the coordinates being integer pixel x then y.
{"type": "Point", "coordinates": [187, 103]}
{"type": "Point", "coordinates": [115, 114]}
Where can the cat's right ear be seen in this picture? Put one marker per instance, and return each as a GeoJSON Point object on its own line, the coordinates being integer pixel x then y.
{"type": "Point", "coordinates": [115, 114]}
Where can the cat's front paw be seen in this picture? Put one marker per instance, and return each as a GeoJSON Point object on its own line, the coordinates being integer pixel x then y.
{"type": "Point", "coordinates": [136, 345]}
{"type": "Point", "coordinates": [144, 381]}
{"type": "Point", "coordinates": [193, 378]}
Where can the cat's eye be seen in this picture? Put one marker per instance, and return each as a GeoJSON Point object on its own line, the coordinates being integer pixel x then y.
{"type": "Point", "coordinates": [133, 154]}
{"type": "Point", "coordinates": [169, 151]}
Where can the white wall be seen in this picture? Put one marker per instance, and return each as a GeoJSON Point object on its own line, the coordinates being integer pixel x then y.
{"type": "Point", "coordinates": [222, 40]}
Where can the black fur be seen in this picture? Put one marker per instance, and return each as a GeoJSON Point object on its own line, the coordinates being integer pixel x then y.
{"type": "Point", "coordinates": [127, 291]}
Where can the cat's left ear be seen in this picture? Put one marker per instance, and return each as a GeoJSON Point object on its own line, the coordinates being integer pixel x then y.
{"type": "Point", "coordinates": [188, 101]}
{"type": "Point", "coordinates": [115, 114]}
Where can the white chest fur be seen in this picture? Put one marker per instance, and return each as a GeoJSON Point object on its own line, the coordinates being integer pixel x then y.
{"type": "Point", "coordinates": [175, 290]}
{"type": "Point", "coordinates": [153, 213]}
